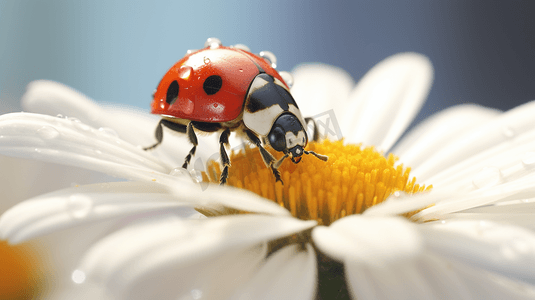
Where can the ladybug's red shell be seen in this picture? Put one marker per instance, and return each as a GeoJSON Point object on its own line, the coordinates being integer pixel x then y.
{"type": "Point", "coordinates": [236, 69]}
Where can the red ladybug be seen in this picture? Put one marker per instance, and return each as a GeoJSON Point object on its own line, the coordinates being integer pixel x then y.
{"type": "Point", "coordinates": [230, 89]}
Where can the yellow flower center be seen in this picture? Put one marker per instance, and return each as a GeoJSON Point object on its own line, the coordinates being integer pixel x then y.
{"type": "Point", "coordinates": [352, 180]}
{"type": "Point", "coordinates": [18, 272]}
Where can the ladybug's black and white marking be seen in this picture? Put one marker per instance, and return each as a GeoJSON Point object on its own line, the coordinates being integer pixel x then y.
{"type": "Point", "coordinates": [229, 89]}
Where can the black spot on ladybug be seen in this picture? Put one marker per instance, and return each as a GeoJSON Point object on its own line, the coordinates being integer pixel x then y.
{"type": "Point", "coordinates": [212, 84]}
{"type": "Point", "coordinates": [172, 92]}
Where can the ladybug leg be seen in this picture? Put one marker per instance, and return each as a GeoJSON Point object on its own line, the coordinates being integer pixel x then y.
{"type": "Point", "coordinates": [193, 139]}
{"type": "Point", "coordinates": [268, 159]}
{"type": "Point", "coordinates": [159, 131]}
{"type": "Point", "coordinates": [316, 135]}
{"type": "Point", "coordinates": [223, 141]}
{"type": "Point", "coordinates": [159, 136]}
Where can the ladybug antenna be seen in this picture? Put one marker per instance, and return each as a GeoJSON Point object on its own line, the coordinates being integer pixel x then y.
{"type": "Point", "coordinates": [322, 157]}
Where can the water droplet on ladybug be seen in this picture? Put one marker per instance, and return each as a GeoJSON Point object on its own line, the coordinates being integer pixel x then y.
{"type": "Point", "coordinates": [185, 72]}
{"type": "Point", "coordinates": [206, 60]}
{"type": "Point", "coordinates": [191, 51]}
{"type": "Point", "coordinates": [213, 43]}
{"type": "Point", "coordinates": [270, 58]}
{"type": "Point", "coordinates": [186, 105]}
{"type": "Point", "coordinates": [241, 70]}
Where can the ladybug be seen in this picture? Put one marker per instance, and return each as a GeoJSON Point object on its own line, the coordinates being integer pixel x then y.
{"type": "Point", "coordinates": [229, 89]}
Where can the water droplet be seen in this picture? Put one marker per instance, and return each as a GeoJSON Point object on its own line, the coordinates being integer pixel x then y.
{"type": "Point", "coordinates": [206, 60]}
{"type": "Point", "coordinates": [74, 120]}
{"type": "Point", "coordinates": [82, 126]}
{"type": "Point", "coordinates": [191, 51]}
{"type": "Point", "coordinates": [287, 77]}
{"type": "Point", "coordinates": [270, 58]}
{"type": "Point", "coordinates": [59, 116]}
{"type": "Point", "coordinates": [196, 294]}
{"type": "Point", "coordinates": [79, 206]}
{"type": "Point", "coordinates": [443, 222]}
{"type": "Point", "coordinates": [528, 159]}
{"type": "Point", "coordinates": [185, 72]}
{"type": "Point", "coordinates": [212, 43]}
{"type": "Point", "coordinates": [398, 195]}
{"type": "Point", "coordinates": [48, 132]}
{"type": "Point", "coordinates": [487, 177]}
{"type": "Point", "coordinates": [37, 150]}
{"type": "Point", "coordinates": [78, 276]}
{"type": "Point", "coordinates": [196, 176]}
{"type": "Point", "coordinates": [508, 132]}
{"type": "Point", "coordinates": [108, 131]}
{"type": "Point", "coordinates": [179, 172]}
{"type": "Point", "coordinates": [242, 47]}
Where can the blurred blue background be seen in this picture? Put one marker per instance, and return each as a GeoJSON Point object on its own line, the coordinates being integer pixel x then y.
{"type": "Point", "coordinates": [117, 51]}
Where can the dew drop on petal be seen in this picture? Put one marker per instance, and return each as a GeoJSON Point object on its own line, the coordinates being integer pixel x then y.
{"type": "Point", "coordinates": [48, 132]}
{"type": "Point", "coordinates": [79, 206]}
{"type": "Point", "coordinates": [178, 172]}
{"type": "Point", "coordinates": [108, 131]}
{"type": "Point", "coordinates": [78, 276]}
{"type": "Point", "coordinates": [487, 177]}
{"type": "Point", "coordinates": [196, 294]}
{"type": "Point", "coordinates": [74, 120]}
{"type": "Point", "coordinates": [528, 159]}
{"type": "Point", "coordinates": [398, 195]}
{"type": "Point", "coordinates": [82, 126]}
{"type": "Point", "coordinates": [287, 77]}
{"type": "Point", "coordinates": [213, 43]}
{"type": "Point", "coordinates": [508, 132]}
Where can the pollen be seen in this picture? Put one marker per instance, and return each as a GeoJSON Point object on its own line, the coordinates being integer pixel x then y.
{"type": "Point", "coordinates": [352, 180]}
{"type": "Point", "coordinates": [18, 272]}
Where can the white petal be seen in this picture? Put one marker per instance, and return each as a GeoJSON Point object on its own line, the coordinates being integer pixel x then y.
{"type": "Point", "coordinates": [128, 123]}
{"type": "Point", "coordinates": [501, 163]}
{"type": "Point", "coordinates": [42, 177]}
{"type": "Point", "coordinates": [504, 249]}
{"type": "Point", "coordinates": [506, 128]}
{"type": "Point", "coordinates": [216, 198]}
{"type": "Point", "coordinates": [319, 88]}
{"type": "Point", "coordinates": [372, 241]}
{"type": "Point", "coordinates": [399, 203]}
{"type": "Point", "coordinates": [85, 206]}
{"type": "Point", "coordinates": [397, 280]}
{"type": "Point", "coordinates": [138, 256]}
{"type": "Point", "coordinates": [433, 133]}
{"type": "Point", "coordinates": [386, 100]}
{"type": "Point", "coordinates": [73, 143]}
{"type": "Point", "coordinates": [514, 190]}
{"type": "Point", "coordinates": [482, 284]}
{"type": "Point", "coordinates": [289, 273]}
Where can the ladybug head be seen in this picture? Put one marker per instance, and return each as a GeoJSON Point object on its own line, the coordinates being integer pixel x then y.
{"type": "Point", "coordinates": [287, 135]}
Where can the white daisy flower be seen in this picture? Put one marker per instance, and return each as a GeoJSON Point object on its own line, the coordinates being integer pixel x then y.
{"type": "Point", "coordinates": [345, 228]}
